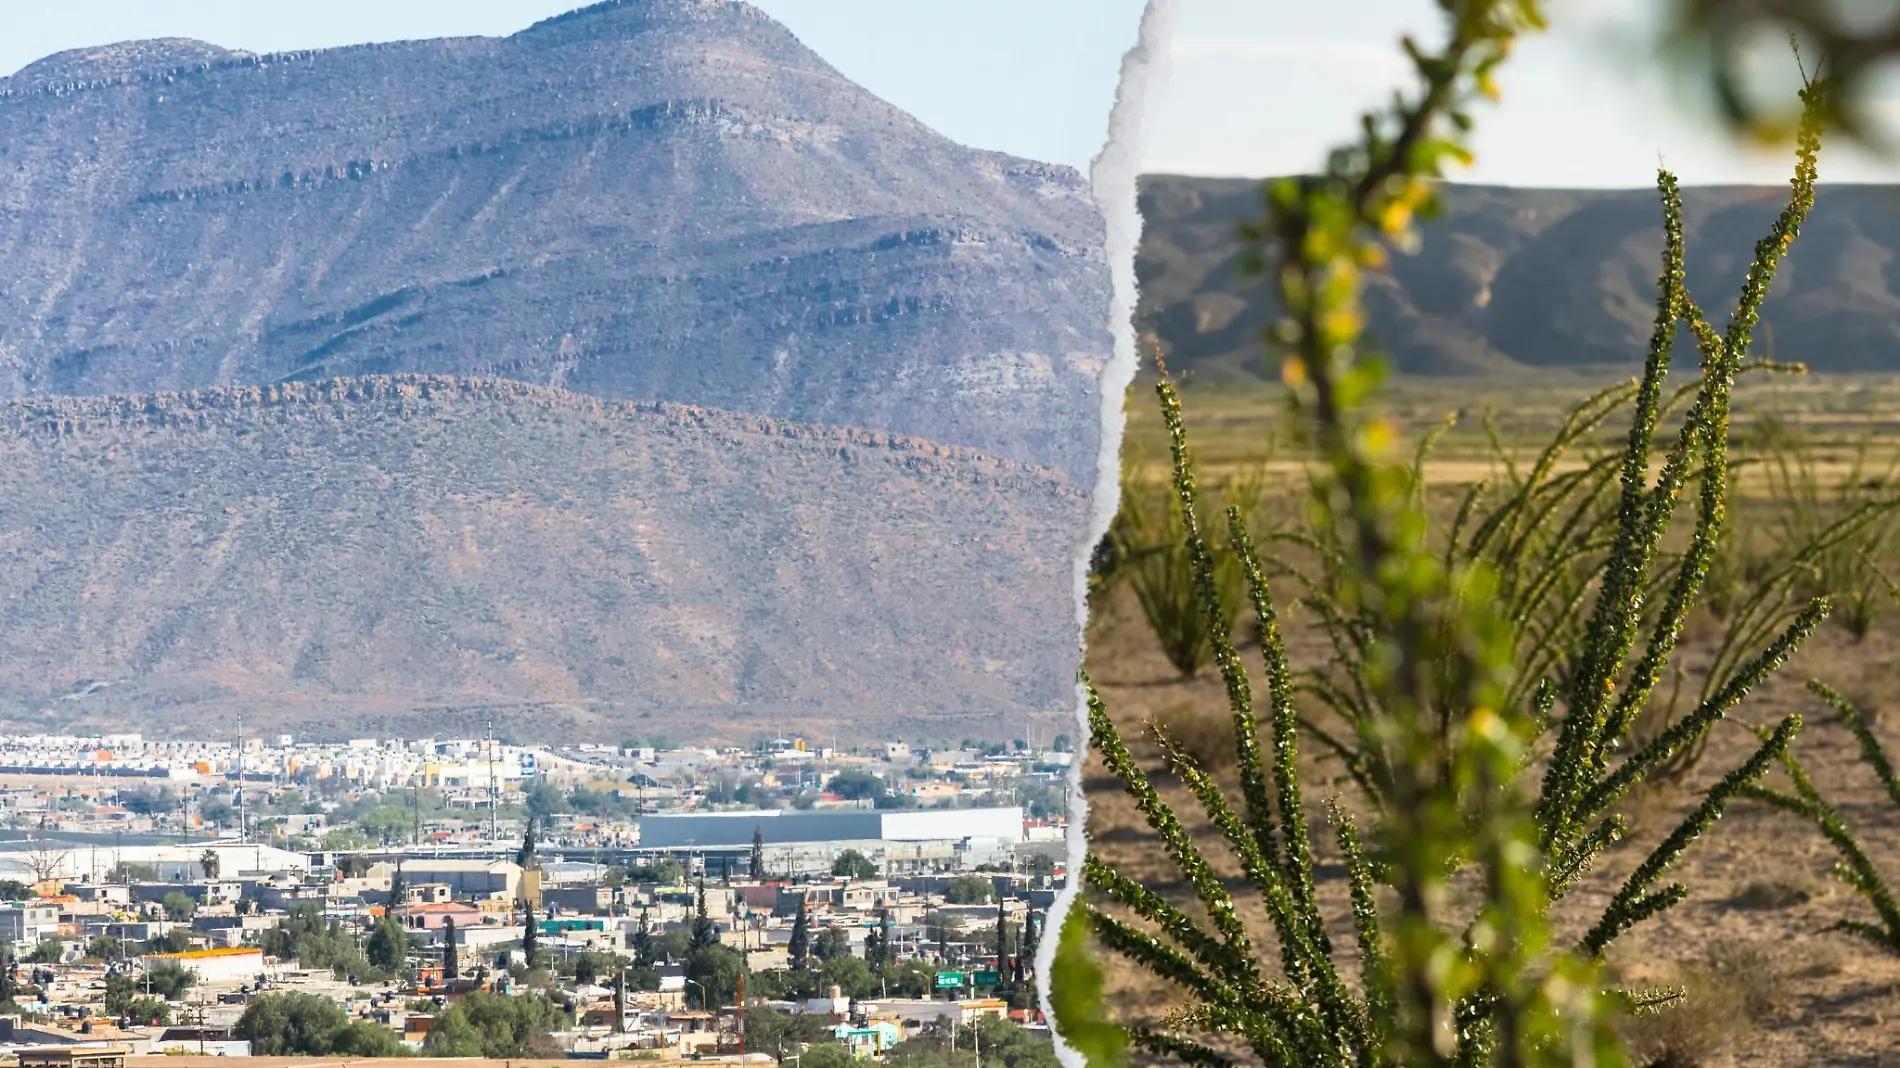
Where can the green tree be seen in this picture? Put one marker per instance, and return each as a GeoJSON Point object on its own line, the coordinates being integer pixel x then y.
{"type": "Point", "coordinates": [46, 951]}
{"type": "Point", "coordinates": [799, 948]}
{"type": "Point", "coordinates": [827, 1054]}
{"type": "Point", "coordinates": [849, 974]}
{"type": "Point", "coordinates": [1004, 1044]}
{"type": "Point", "coordinates": [768, 1030]}
{"type": "Point", "coordinates": [968, 890]}
{"type": "Point", "coordinates": [524, 856]}
{"type": "Point", "coordinates": [758, 852]}
{"type": "Point", "coordinates": [451, 964]}
{"type": "Point", "coordinates": [398, 888]}
{"type": "Point", "coordinates": [530, 936]}
{"type": "Point", "coordinates": [169, 980]}
{"type": "Point", "coordinates": [489, 1025]}
{"type": "Point", "coordinates": [704, 933]}
{"type": "Point", "coordinates": [179, 906]}
{"type": "Point", "coordinates": [388, 945]}
{"type": "Point", "coordinates": [105, 947]}
{"type": "Point", "coordinates": [1002, 933]}
{"type": "Point", "coordinates": [831, 942]}
{"type": "Point", "coordinates": [852, 864]}
{"type": "Point", "coordinates": [123, 873]}
{"type": "Point", "coordinates": [208, 863]}
{"type": "Point", "coordinates": [147, 1010]}
{"type": "Point", "coordinates": [306, 1025]}
{"type": "Point", "coordinates": [643, 940]}
{"type": "Point", "coordinates": [716, 969]}
{"type": "Point", "coordinates": [15, 890]}
{"type": "Point", "coordinates": [855, 786]}
{"type": "Point", "coordinates": [910, 979]}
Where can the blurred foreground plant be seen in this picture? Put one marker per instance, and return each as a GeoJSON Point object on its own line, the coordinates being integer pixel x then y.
{"type": "Point", "coordinates": [1447, 695]}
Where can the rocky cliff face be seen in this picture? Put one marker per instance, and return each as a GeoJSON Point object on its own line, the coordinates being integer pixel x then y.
{"type": "Point", "coordinates": [665, 200]}
{"type": "Point", "coordinates": [390, 555]}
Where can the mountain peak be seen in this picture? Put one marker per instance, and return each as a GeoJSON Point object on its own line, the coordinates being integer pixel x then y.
{"type": "Point", "coordinates": [638, 15]}
{"type": "Point", "coordinates": [119, 59]}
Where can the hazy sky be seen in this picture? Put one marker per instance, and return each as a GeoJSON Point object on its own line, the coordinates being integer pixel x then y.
{"type": "Point", "coordinates": [1032, 77]}
{"type": "Point", "coordinates": [1257, 87]}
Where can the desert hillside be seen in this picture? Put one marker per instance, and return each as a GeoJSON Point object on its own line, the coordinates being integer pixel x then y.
{"type": "Point", "coordinates": [1510, 281]}
{"type": "Point", "coordinates": [411, 554]}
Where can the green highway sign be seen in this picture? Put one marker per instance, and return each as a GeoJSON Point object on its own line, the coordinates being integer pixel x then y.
{"type": "Point", "coordinates": [985, 979]}
{"type": "Point", "coordinates": [946, 980]}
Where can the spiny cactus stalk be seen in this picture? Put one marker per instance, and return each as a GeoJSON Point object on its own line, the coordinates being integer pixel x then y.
{"type": "Point", "coordinates": [1855, 869]}
{"type": "Point", "coordinates": [1429, 668]}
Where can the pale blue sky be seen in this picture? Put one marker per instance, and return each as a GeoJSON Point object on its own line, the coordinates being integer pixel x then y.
{"type": "Point", "coordinates": [1031, 77]}
{"type": "Point", "coordinates": [1258, 87]}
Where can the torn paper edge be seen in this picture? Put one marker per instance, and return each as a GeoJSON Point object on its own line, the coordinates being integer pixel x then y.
{"type": "Point", "coordinates": [1112, 183]}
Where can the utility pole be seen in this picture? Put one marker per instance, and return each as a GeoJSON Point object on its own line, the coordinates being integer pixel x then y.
{"type": "Point", "coordinates": [494, 803]}
{"type": "Point", "coordinates": [244, 833]}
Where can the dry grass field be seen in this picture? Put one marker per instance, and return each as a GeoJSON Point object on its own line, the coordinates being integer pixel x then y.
{"type": "Point", "coordinates": [1768, 984]}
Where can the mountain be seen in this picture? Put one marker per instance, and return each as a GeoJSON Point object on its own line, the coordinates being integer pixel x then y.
{"type": "Point", "coordinates": [1528, 280]}
{"type": "Point", "coordinates": [404, 556]}
{"type": "Point", "coordinates": [668, 200]}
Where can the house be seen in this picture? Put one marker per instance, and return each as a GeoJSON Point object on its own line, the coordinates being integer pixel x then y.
{"type": "Point", "coordinates": [87, 1056]}
{"type": "Point", "coordinates": [226, 965]}
{"type": "Point", "coordinates": [28, 921]}
{"type": "Point", "coordinates": [433, 916]}
{"type": "Point", "coordinates": [202, 1041]}
{"type": "Point", "coordinates": [869, 1039]}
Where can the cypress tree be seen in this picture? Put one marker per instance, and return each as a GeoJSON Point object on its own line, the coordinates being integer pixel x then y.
{"type": "Point", "coordinates": [758, 852]}
{"type": "Point", "coordinates": [1027, 962]}
{"type": "Point", "coordinates": [1002, 934]}
{"type": "Point", "coordinates": [525, 855]}
{"type": "Point", "coordinates": [703, 933]}
{"type": "Point", "coordinates": [450, 966]}
{"type": "Point", "coordinates": [398, 888]}
{"type": "Point", "coordinates": [643, 941]}
{"type": "Point", "coordinates": [530, 937]}
{"type": "Point", "coordinates": [620, 1000]}
{"type": "Point", "coordinates": [800, 947]}
{"type": "Point", "coordinates": [884, 956]}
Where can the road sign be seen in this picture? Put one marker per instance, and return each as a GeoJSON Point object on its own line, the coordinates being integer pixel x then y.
{"type": "Point", "coordinates": [949, 980]}
{"type": "Point", "coordinates": [985, 979]}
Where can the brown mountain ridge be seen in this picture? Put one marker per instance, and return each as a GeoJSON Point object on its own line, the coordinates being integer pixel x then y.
{"type": "Point", "coordinates": [1511, 280]}
{"type": "Point", "coordinates": [419, 555]}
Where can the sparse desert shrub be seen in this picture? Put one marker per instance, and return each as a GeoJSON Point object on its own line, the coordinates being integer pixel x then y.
{"type": "Point", "coordinates": [1204, 735]}
{"type": "Point", "coordinates": [1844, 512]}
{"type": "Point", "coordinates": [1149, 547]}
{"type": "Point", "coordinates": [1774, 894]}
{"type": "Point", "coordinates": [1447, 684]}
{"type": "Point", "coordinates": [1728, 994]}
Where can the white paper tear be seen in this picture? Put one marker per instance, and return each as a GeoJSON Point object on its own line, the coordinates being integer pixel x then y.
{"type": "Point", "coordinates": [1112, 178]}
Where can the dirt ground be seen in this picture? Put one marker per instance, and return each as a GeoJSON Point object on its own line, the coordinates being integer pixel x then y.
{"type": "Point", "coordinates": [1769, 986]}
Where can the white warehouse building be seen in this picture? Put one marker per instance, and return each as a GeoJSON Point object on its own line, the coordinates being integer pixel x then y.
{"type": "Point", "coordinates": [977, 827]}
{"type": "Point", "coordinates": [33, 861]}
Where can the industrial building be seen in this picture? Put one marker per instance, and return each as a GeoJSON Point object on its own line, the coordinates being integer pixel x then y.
{"type": "Point", "coordinates": [912, 839]}
{"type": "Point", "coordinates": [49, 859]}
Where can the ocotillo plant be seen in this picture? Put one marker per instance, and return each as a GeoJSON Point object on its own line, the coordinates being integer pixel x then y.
{"type": "Point", "coordinates": [1444, 721]}
{"type": "Point", "coordinates": [1855, 869]}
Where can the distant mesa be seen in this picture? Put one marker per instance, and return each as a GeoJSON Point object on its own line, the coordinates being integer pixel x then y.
{"type": "Point", "coordinates": [1511, 281]}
